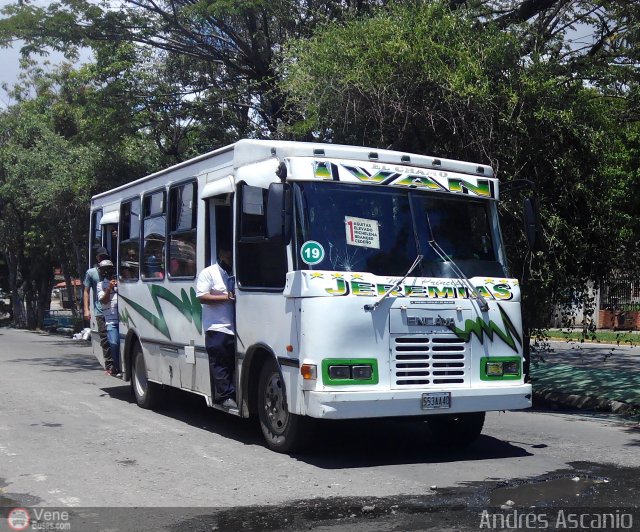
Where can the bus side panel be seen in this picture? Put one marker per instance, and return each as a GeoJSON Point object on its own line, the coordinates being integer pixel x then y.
{"type": "Point", "coordinates": [195, 377]}
{"type": "Point", "coordinates": [270, 319]}
{"type": "Point", "coordinates": [165, 321]}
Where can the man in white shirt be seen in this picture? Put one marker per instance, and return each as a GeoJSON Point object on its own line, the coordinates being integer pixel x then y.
{"type": "Point", "coordinates": [217, 296]}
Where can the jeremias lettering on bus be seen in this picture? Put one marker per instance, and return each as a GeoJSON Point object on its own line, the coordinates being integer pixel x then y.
{"type": "Point", "coordinates": [342, 287]}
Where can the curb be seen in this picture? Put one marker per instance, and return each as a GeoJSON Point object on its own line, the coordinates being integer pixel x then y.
{"type": "Point", "coordinates": [548, 397]}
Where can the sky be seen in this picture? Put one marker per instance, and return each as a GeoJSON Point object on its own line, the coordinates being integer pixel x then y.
{"type": "Point", "coordinates": [10, 61]}
{"type": "Point", "coordinates": [10, 66]}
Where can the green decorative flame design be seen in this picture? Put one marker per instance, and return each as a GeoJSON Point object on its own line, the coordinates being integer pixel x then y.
{"type": "Point", "coordinates": [125, 317]}
{"type": "Point", "coordinates": [188, 305]}
{"type": "Point", "coordinates": [481, 328]}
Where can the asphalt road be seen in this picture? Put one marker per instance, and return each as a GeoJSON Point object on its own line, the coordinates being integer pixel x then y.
{"type": "Point", "coordinates": [72, 438]}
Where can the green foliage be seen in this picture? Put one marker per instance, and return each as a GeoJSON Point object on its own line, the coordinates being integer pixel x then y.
{"type": "Point", "coordinates": [45, 182]}
{"type": "Point", "coordinates": [57, 149]}
{"type": "Point", "coordinates": [221, 52]}
{"type": "Point", "coordinates": [399, 78]}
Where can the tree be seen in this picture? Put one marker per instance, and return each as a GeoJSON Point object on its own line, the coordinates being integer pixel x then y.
{"type": "Point", "coordinates": [225, 50]}
{"type": "Point", "coordinates": [44, 187]}
{"type": "Point", "coordinates": [56, 151]}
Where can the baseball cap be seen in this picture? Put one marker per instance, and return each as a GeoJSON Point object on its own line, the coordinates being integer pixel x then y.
{"type": "Point", "coordinates": [102, 252]}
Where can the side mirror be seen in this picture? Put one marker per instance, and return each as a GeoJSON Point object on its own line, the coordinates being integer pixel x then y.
{"type": "Point", "coordinates": [532, 225]}
{"type": "Point", "coordinates": [279, 212]}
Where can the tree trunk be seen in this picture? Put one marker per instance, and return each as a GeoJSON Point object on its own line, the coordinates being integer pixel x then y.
{"type": "Point", "coordinates": [31, 303]}
{"type": "Point", "coordinates": [17, 303]}
{"type": "Point", "coordinates": [44, 299]}
{"type": "Point", "coordinates": [80, 264]}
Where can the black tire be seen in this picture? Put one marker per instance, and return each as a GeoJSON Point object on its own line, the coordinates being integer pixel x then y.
{"type": "Point", "coordinates": [147, 394]}
{"type": "Point", "coordinates": [283, 432]}
{"type": "Point", "coordinates": [456, 430]}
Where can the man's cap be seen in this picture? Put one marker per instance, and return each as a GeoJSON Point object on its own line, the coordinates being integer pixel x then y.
{"type": "Point", "coordinates": [102, 252]}
{"type": "Point", "coordinates": [105, 264]}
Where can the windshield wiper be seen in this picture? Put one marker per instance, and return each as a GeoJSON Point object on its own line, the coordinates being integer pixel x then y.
{"type": "Point", "coordinates": [482, 302]}
{"type": "Point", "coordinates": [395, 285]}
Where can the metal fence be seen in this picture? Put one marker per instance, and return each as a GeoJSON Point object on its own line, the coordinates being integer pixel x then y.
{"type": "Point", "coordinates": [620, 293]}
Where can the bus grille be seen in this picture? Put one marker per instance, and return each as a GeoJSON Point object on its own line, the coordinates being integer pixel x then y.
{"type": "Point", "coordinates": [428, 361]}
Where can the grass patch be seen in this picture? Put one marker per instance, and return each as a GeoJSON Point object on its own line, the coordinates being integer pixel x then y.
{"type": "Point", "coordinates": [605, 337]}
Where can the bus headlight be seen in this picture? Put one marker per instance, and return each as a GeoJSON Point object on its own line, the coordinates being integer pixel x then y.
{"type": "Point", "coordinates": [349, 371]}
{"type": "Point", "coordinates": [362, 372]}
{"type": "Point", "coordinates": [500, 368]}
{"type": "Point", "coordinates": [340, 372]}
{"type": "Point", "coordinates": [511, 368]}
{"type": "Point", "coordinates": [494, 369]}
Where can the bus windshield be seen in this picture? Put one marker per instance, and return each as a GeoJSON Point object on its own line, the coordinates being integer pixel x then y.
{"type": "Point", "coordinates": [381, 231]}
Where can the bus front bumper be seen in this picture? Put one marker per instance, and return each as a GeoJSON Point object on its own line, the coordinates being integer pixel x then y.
{"type": "Point", "coordinates": [398, 403]}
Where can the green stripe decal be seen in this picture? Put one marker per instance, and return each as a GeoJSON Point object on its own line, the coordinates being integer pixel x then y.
{"type": "Point", "coordinates": [188, 305]}
{"type": "Point", "coordinates": [480, 328]}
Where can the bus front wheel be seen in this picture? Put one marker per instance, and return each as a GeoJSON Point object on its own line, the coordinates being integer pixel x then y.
{"type": "Point", "coordinates": [456, 430]}
{"type": "Point", "coordinates": [147, 394]}
{"type": "Point", "coordinates": [284, 432]}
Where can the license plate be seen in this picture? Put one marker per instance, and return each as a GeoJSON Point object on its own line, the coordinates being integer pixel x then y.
{"type": "Point", "coordinates": [436, 400]}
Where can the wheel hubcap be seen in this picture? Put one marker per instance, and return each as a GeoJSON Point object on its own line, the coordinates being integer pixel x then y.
{"type": "Point", "coordinates": [276, 413]}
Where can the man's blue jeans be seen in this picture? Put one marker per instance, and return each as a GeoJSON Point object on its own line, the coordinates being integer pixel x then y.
{"type": "Point", "coordinates": [113, 335]}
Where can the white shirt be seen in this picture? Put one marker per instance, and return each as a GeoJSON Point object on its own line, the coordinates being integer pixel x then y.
{"type": "Point", "coordinates": [217, 316]}
{"type": "Point", "coordinates": [110, 309]}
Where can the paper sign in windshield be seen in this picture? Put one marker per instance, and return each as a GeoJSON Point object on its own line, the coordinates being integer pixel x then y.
{"type": "Point", "coordinates": [362, 232]}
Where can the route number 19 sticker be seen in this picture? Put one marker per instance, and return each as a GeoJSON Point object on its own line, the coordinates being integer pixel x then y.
{"type": "Point", "coordinates": [312, 252]}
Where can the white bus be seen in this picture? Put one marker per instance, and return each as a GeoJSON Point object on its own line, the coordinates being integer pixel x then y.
{"type": "Point", "coordinates": [369, 284]}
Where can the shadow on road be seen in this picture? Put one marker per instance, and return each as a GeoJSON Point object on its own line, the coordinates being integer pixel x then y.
{"type": "Point", "coordinates": [67, 362]}
{"type": "Point", "coordinates": [192, 410]}
{"type": "Point", "coordinates": [71, 363]}
{"type": "Point", "coordinates": [634, 430]}
{"type": "Point", "coordinates": [337, 444]}
{"type": "Point", "coordinates": [354, 444]}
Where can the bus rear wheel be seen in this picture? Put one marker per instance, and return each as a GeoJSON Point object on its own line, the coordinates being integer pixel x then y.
{"type": "Point", "coordinates": [147, 394]}
{"type": "Point", "coordinates": [456, 430]}
{"type": "Point", "coordinates": [284, 432]}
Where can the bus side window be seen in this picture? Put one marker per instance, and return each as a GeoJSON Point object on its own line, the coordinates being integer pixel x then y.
{"type": "Point", "coordinates": [154, 226]}
{"type": "Point", "coordinates": [182, 231]}
{"type": "Point", "coordinates": [96, 230]}
{"type": "Point", "coordinates": [260, 263]}
{"type": "Point", "coordinates": [129, 254]}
